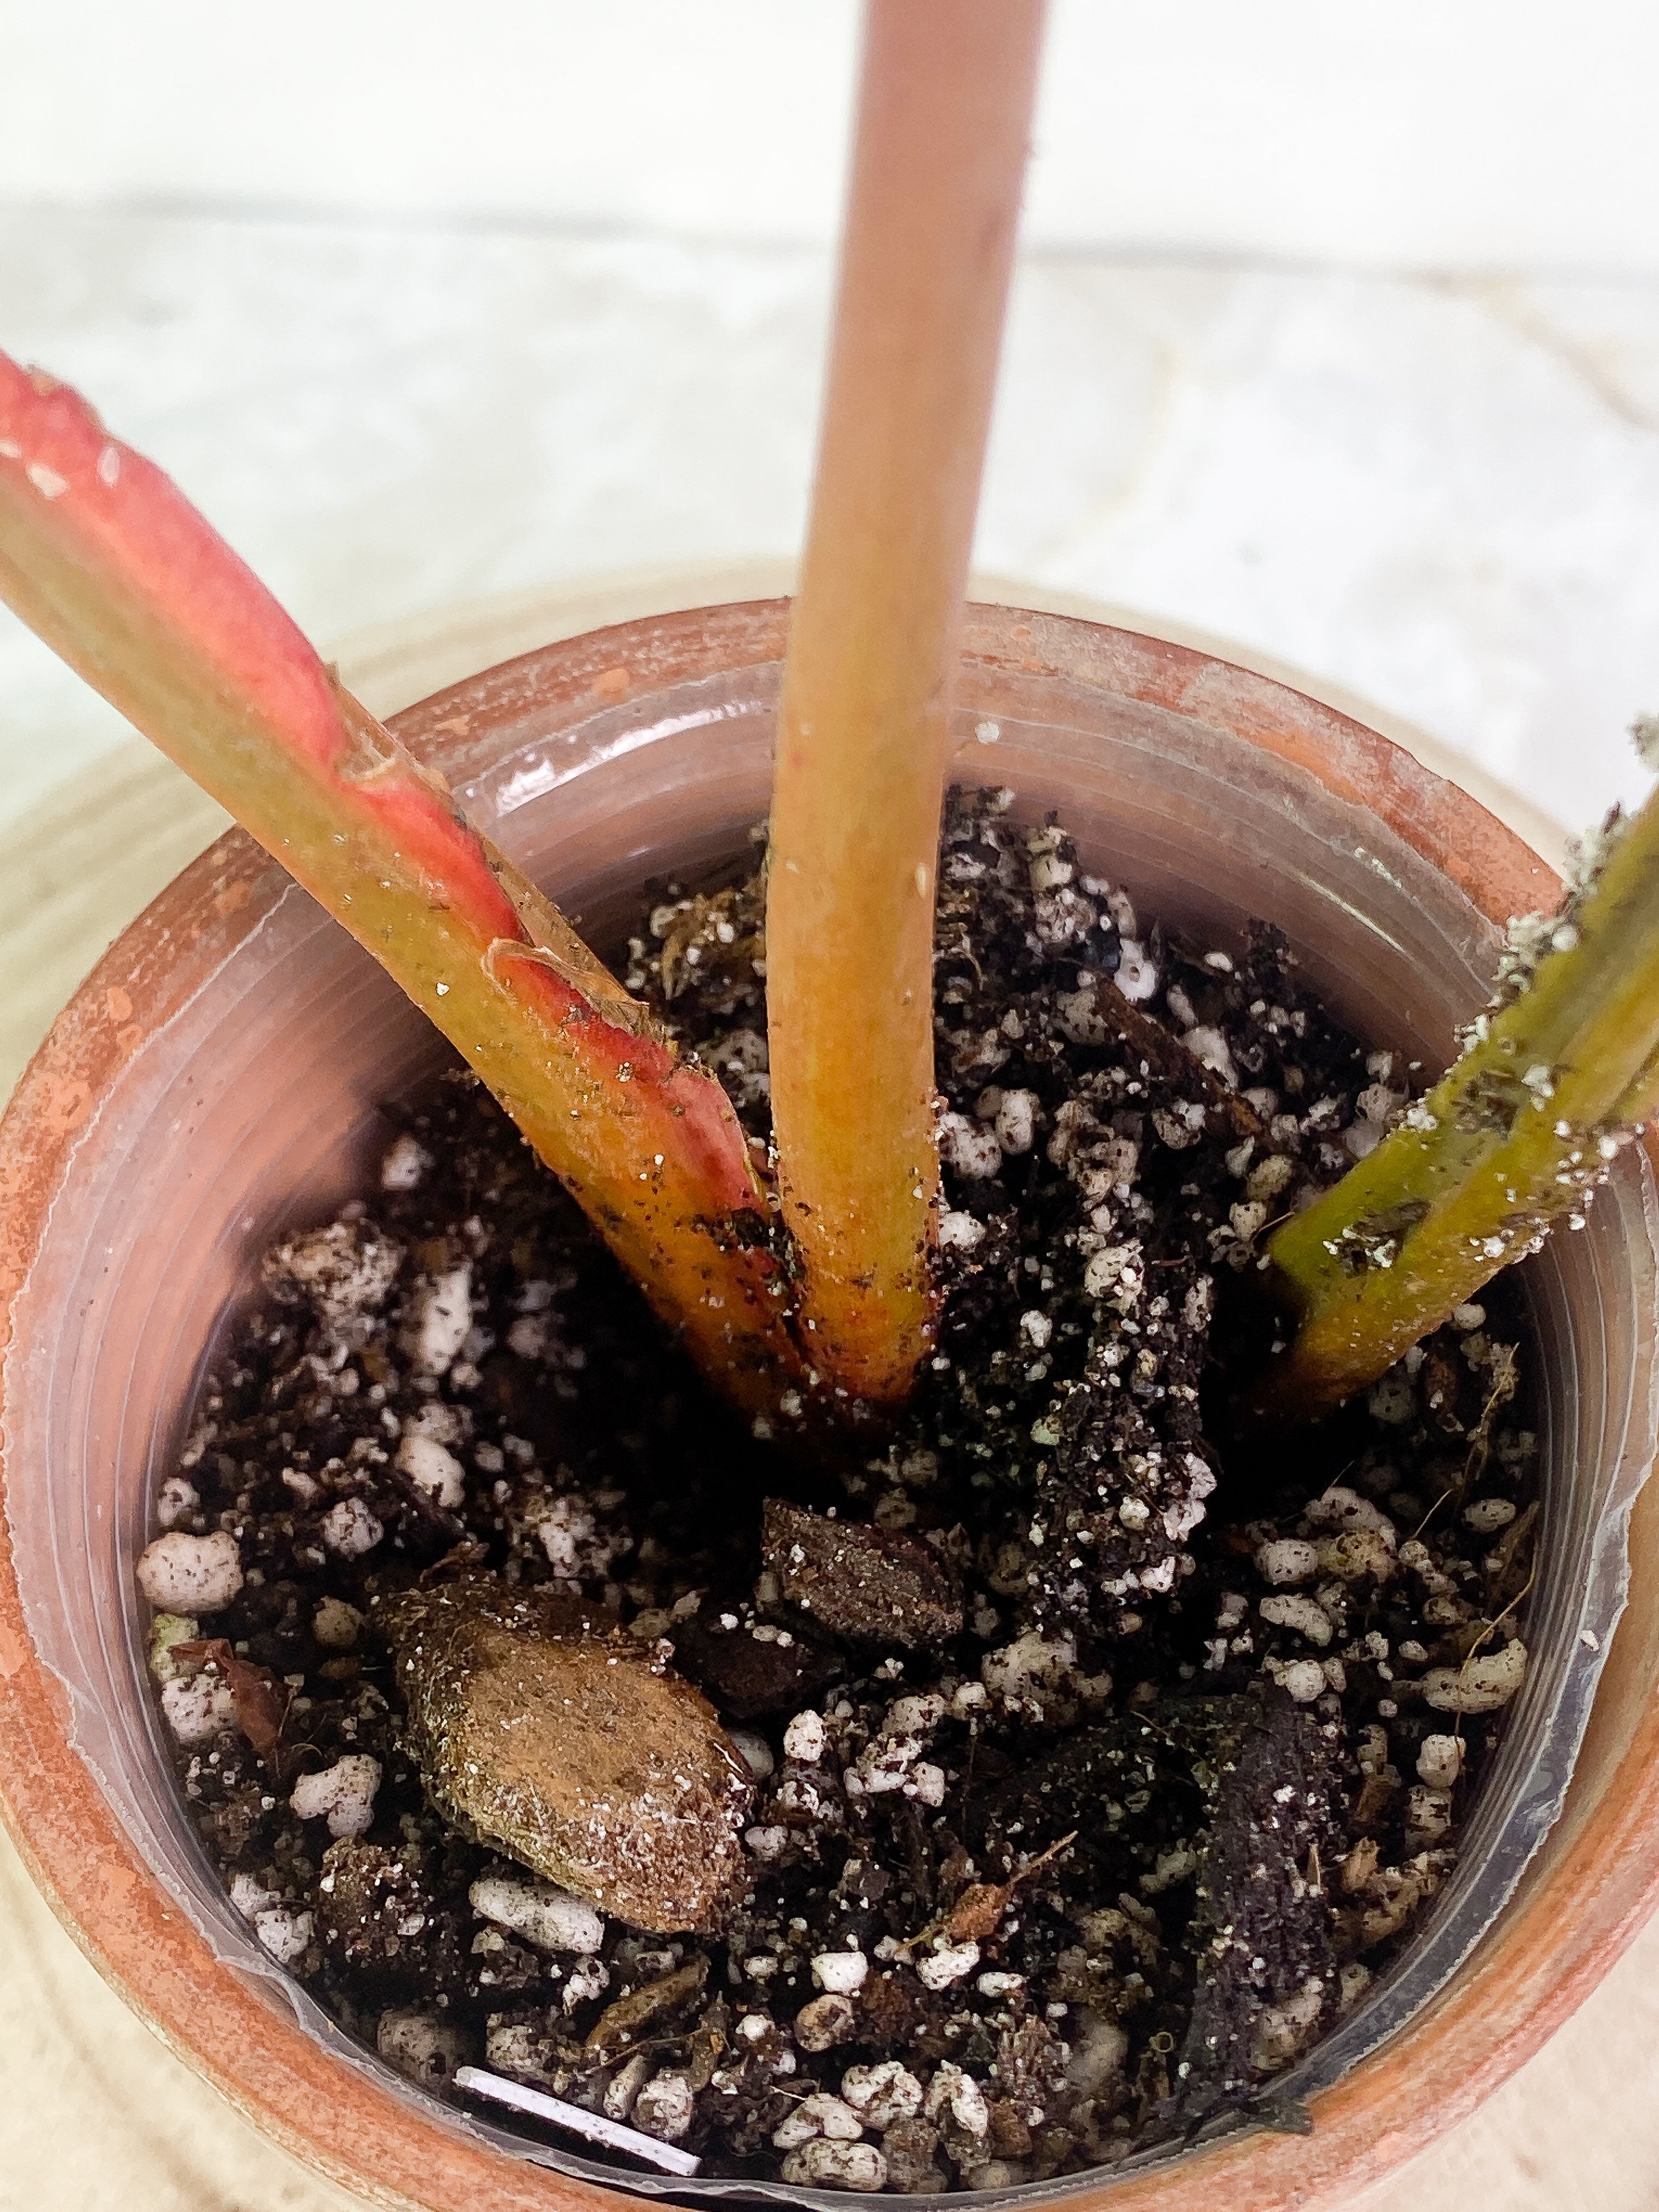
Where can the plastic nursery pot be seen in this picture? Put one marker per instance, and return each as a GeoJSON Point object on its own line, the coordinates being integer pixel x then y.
{"type": "Point", "coordinates": [217, 1079]}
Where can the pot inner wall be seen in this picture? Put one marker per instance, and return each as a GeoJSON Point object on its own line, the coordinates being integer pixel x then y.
{"type": "Point", "coordinates": [255, 1110]}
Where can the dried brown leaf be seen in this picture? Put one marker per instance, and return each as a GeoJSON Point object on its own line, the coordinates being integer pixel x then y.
{"type": "Point", "coordinates": [625, 2021]}
{"type": "Point", "coordinates": [978, 1911]}
{"type": "Point", "coordinates": [261, 1701]}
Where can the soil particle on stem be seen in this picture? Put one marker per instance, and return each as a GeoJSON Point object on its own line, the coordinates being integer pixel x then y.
{"type": "Point", "coordinates": [1029, 1790]}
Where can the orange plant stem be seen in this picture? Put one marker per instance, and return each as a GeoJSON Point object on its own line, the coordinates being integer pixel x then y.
{"type": "Point", "coordinates": [943, 121]}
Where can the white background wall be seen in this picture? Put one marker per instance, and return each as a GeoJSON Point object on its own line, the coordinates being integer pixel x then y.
{"type": "Point", "coordinates": [1422, 133]}
{"type": "Point", "coordinates": [1336, 336]}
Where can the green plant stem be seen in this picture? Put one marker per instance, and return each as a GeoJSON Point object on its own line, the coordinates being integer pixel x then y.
{"type": "Point", "coordinates": [1515, 1136]}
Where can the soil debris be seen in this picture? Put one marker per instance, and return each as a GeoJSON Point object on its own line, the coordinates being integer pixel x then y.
{"type": "Point", "coordinates": [540, 1726]}
{"type": "Point", "coordinates": [1030, 1790]}
{"type": "Point", "coordinates": [748, 1667]}
{"type": "Point", "coordinates": [868, 1585]}
{"type": "Point", "coordinates": [1264, 1978]}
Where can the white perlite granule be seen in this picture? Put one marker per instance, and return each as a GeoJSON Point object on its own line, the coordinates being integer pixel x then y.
{"type": "Point", "coordinates": [804, 1739]}
{"type": "Point", "coordinates": [181, 1573]}
{"type": "Point", "coordinates": [1030, 1668]}
{"type": "Point", "coordinates": [819, 2114]}
{"type": "Point", "coordinates": [664, 2107]}
{"type": "Point", "coordinates": [197, 1708]}
{"type": "Point", "coordinates": [433, 1468]}
{"type": "Point", "coordinates": [825, 2021]}
{"type": "Point", "coordinates": [284, 1933]}
{"type": "Point", "coordinates": [755, 1752]}
{"type": "Point", "coordinates": [177, 1501]}
{"type": "Point", "coordinates": [421, 2045]}
{"type": "Point", "coordinates": [841, 1972]}
{"type": "Point", "coordinates": [951, 1962]}
{"type": "Point", "coordinates": [349, 1529]}
{"type": "Point", "coordinates": [1298, 1614]}
{"type": "Point", "coordinates": [1440, 1761]}
{"type": "Point", "coordinates": [968, 1148]}
{"type": "Point", "coordinates": [551, 1918]}
{"type": "Point", "coordinates": [405, 1164]}
{"type": "Point", "coordinates": [1487, 1515]}
{"type": "Point", "coordinates": [439, 1321]}
{"type": "Point", "coordinates": [282, 1930]}
{"type": "Point", "coordinates": [1302, 1680]}
{"type": "Point", "coordinates": [343, 1794]}
{"type": "Point", "coordinates": [823, 2164]}
{"type": "Point", "coordinates": [883, 2094]}
{"type": "Point", "coordinates": [1286, 1560]}
{"type": "Point", "coordinates": [1479, 1686]}
{"type": "Point", "coordinates": [1138, 977]}
{"type": "Point", "coordinates": [1016, 1121]}
{"type": "Point", "coordinates": [343, 1271]}
{"type": "Point", "coordinates": [960, 1231]}
{"type": "Point", "coordinates": [588, 1978]}
{"type": "Point", "coordinates": [955, 2096]}
{"type": "Point", "coordinates": [1210, 1049]}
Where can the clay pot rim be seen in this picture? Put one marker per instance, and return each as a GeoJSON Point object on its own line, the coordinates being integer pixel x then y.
{"type": "Point", "coordinates": [1561, 1933]}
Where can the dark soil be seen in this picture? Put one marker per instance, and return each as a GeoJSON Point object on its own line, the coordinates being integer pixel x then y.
{"type": "Point", "coordinates": [1096, 1774]}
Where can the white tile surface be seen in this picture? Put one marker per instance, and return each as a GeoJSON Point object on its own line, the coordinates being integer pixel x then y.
{"type": "Point", "coordinates": [1442, 496]}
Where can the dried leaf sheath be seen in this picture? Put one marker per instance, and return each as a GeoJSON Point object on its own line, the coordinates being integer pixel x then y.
{"type": "Point", "coordinates": [103, 556]}
{"type": "Point", "coordinates": [1514, 1136]}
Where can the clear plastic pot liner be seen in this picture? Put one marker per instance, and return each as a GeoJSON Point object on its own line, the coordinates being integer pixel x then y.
{"type": "Point", "coordinates": [255, 1110]}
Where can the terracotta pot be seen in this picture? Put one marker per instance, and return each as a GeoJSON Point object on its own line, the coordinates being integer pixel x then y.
{"type": "Point", "coordinates": [217, 1077]}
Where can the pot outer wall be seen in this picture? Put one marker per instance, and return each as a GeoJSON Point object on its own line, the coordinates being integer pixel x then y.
{"type": "Point", "coordinates": [1585, 1895]}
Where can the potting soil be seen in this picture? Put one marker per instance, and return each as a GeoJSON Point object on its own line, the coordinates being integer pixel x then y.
{"type": "Point", "coordinates": [1085, 1767]}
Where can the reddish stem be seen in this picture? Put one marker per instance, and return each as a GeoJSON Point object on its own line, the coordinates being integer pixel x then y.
{"type": "Point", "coordinates": [103, 557]}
